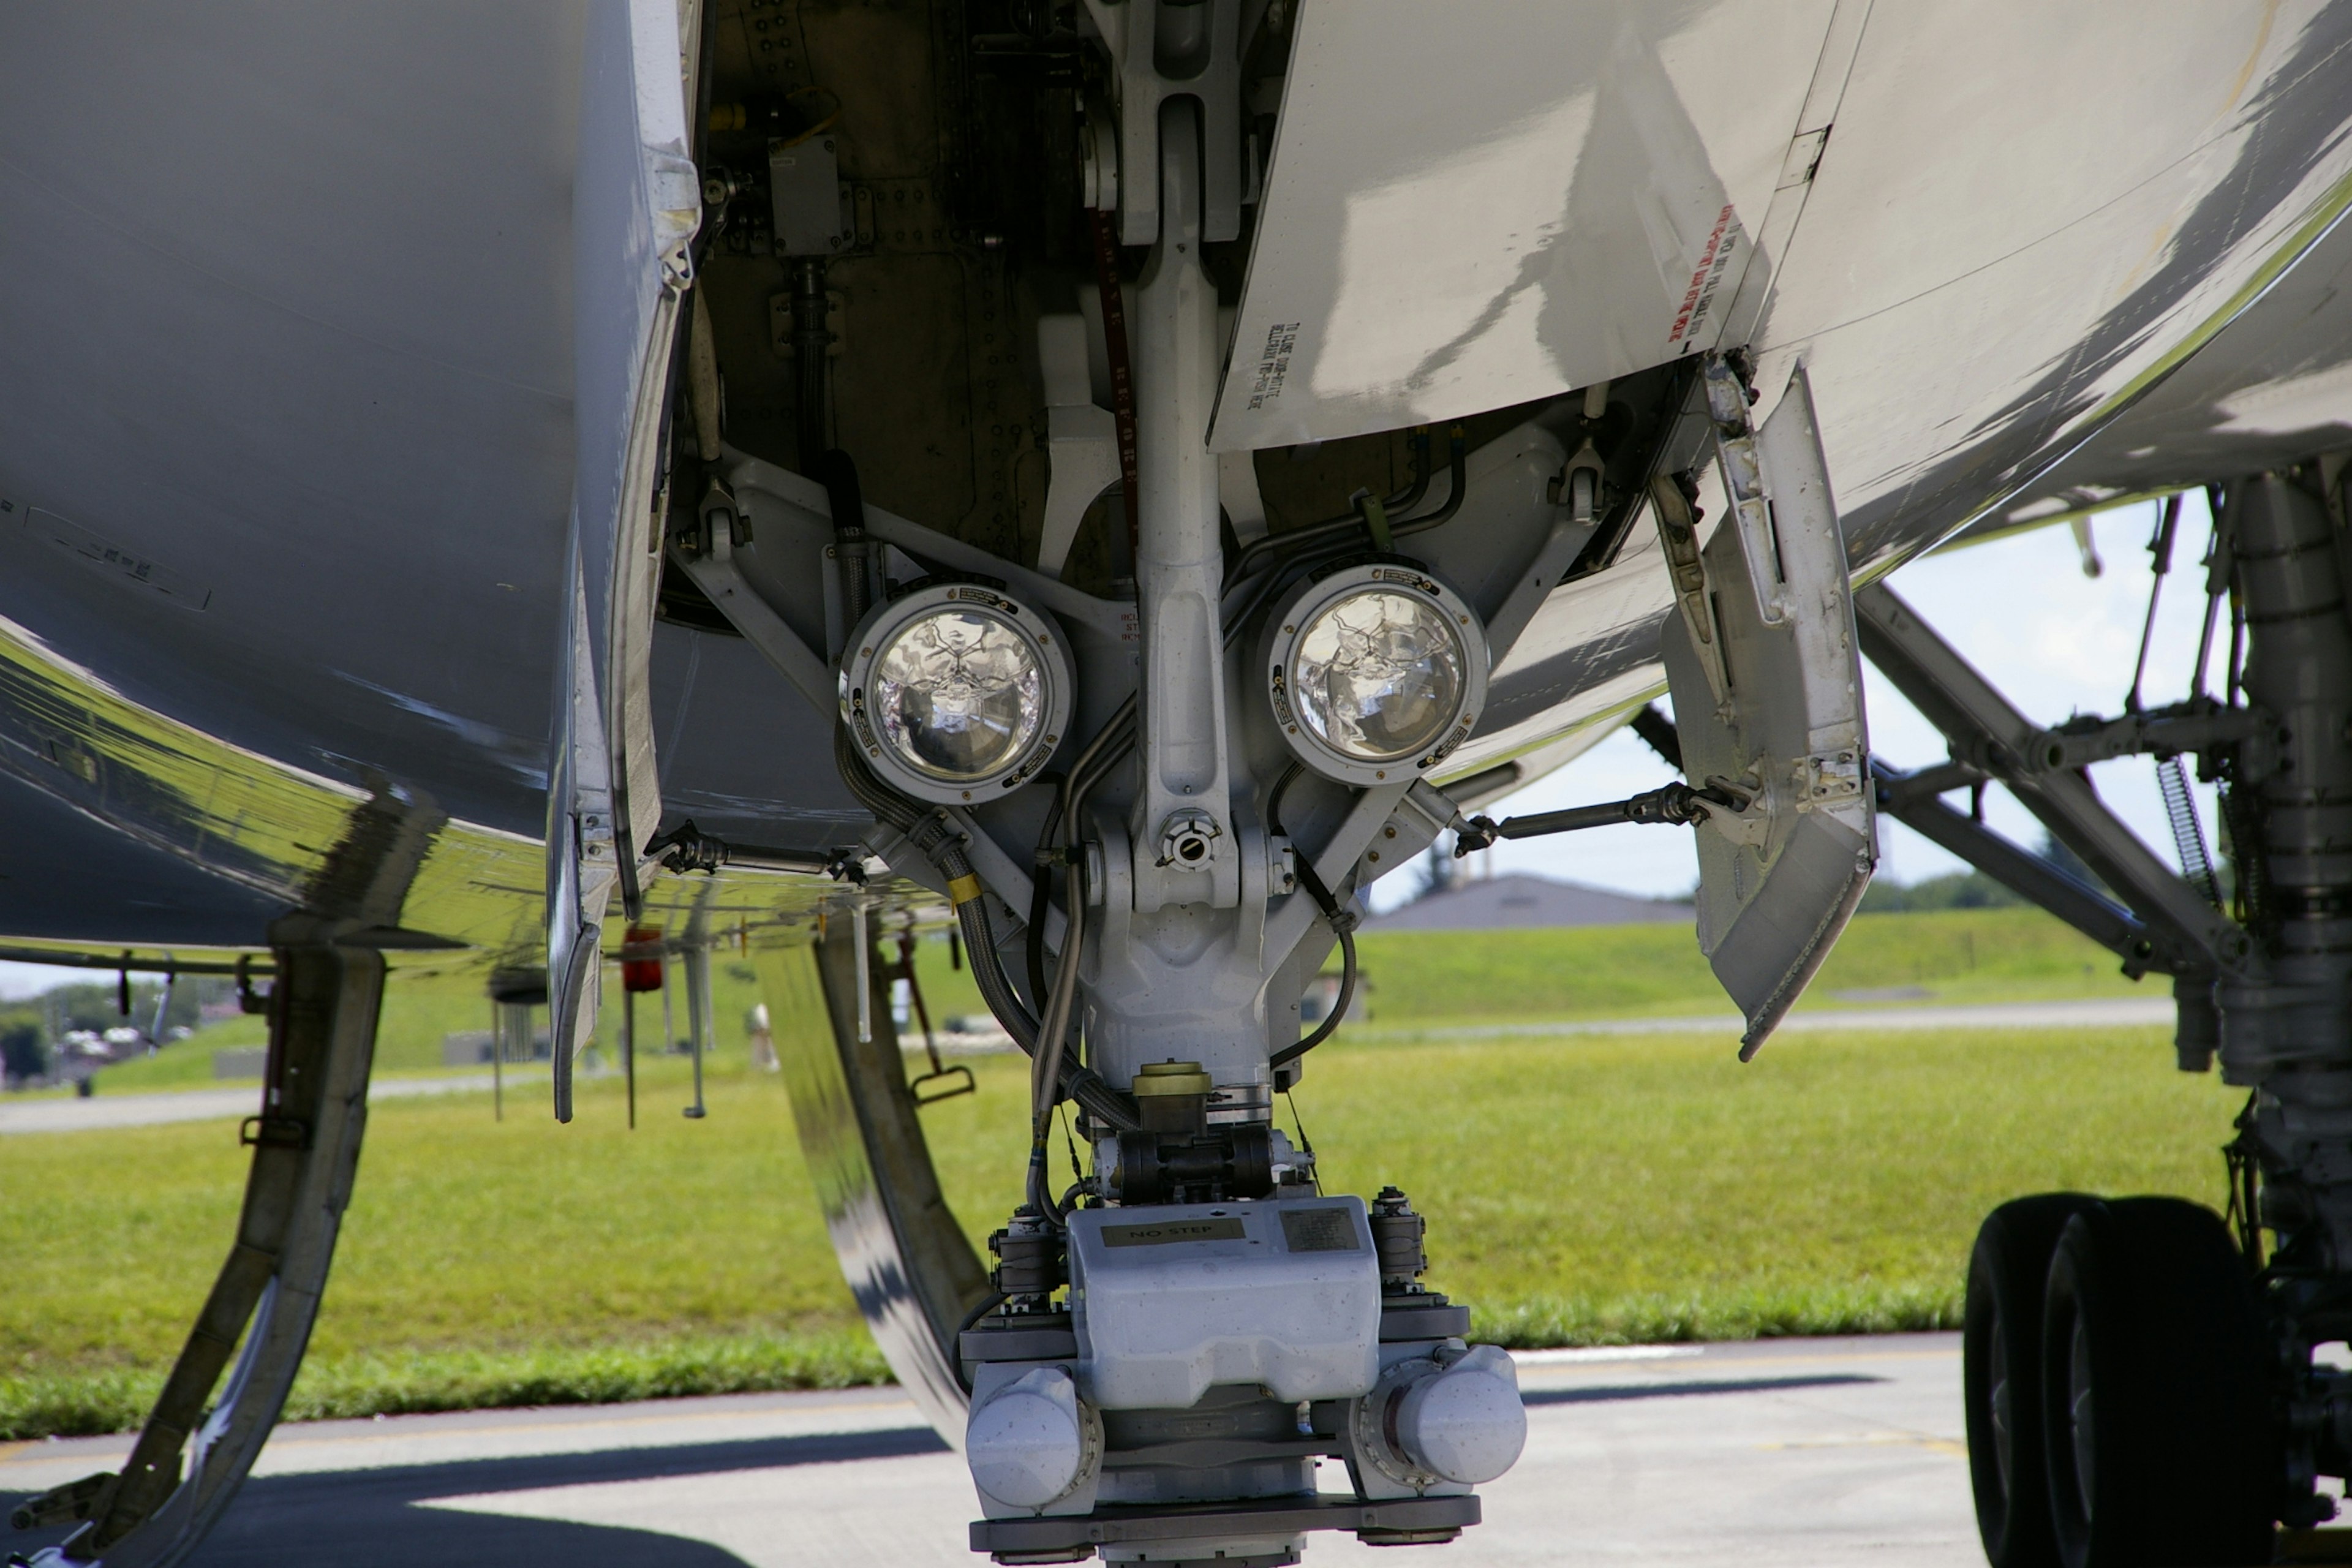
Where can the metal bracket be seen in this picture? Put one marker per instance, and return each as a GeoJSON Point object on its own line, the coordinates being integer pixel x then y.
{"type": "Point", "coordinates": [1678, 540]}
{"type": "Point", "coordinates": [1081, 439]}
{"type": "Point", "coordinates": [1769, 690]}
{"type": "Point", "coordinates": [2188, 727]}
{"type": "Point", "coordinates": [1167, 49]}
{"type": "Point", "coordinates": [1743, 480]}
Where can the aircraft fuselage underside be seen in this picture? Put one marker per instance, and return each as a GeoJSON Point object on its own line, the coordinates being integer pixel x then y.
{"type": "Point", "coordinates": [1119, 477]}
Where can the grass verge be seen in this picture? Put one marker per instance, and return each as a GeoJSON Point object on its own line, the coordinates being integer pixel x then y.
{"type": "Point", "coordinates": [1580, 1190]}
{"type": "Point", "coordinates": [68, 1404]}
{"type": "Point", "coordinates": [1412, 977]}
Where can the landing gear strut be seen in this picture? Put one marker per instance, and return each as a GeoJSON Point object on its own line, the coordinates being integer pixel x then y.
{"type": "Point", "coordinates": [189, 1461]}
{"type": "Point", "coordinates": [2140, 1383]}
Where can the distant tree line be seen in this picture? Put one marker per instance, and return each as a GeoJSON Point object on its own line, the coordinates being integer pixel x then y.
{"type": "Point", "coordinates": [1952, 890]}
{"type": "Point", "coordinates": [30, 1029]}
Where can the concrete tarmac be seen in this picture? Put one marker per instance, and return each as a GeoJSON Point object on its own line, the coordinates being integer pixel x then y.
{"type": "Point", "coordinates": [65, 1114]}
{"type": "Point", "coordinates": [1777, 1454]}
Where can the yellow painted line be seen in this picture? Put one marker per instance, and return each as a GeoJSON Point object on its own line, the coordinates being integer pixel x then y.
{"type": "Point", "coordinates": [8, 1448]}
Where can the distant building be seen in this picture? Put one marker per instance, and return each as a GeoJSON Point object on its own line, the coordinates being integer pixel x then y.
{"type": "Point", "coordinates": [1504, 902]}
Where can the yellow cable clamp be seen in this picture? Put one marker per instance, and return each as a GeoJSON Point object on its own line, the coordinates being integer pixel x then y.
{"type": "Point", "coordinates": [962, 890]}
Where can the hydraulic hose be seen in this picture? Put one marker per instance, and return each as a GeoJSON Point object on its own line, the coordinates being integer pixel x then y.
{"type": "Point", "coordinates": [846, 500]}
{"type": "Point", "coordinates": [1341, 922]}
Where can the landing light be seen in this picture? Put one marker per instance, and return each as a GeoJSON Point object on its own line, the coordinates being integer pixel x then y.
{"type": "Point", "coordinates": [955, 693]}
{"type": "Point", "coordinates": [1376, 672]}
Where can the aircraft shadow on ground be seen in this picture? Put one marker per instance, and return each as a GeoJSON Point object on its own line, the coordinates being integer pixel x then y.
{"type": "Point", "coordinates": [369, 1519]}
{"type": "Point", "coordinates": [1613, 1393]}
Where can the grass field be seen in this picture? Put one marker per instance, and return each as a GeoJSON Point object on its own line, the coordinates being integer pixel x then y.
{"type": "Point", "coordinates": [1579, 1190]}
{"type": "Point", "coordinates": [1961, 955]}
{"type": "Point", "coordinates": [1412, 978]}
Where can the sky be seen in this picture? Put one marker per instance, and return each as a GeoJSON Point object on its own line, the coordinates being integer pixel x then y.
{"type": "Point", "coordinates": [2054, 641]}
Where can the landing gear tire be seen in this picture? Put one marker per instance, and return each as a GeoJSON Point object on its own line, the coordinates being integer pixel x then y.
{"type": "Point", "coordinates": [2161, 1450]}
{"type": "Point", "coordinates": [2000, 1340]}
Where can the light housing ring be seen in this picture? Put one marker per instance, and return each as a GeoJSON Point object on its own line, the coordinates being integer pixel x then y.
{"type": "Point", "coordinates": [956, 693]}
{"type": "Point", "coordinates": [1338, 665]}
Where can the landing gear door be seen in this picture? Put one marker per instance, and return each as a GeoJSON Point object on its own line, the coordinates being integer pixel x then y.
{"type": "Point", "coordinates": [1772, 711]}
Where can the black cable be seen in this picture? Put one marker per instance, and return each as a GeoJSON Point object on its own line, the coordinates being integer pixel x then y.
{"type": "Point", "coordinates": [1458, 471]}
{"type": "Point", "coordinates": [1070, 1140]}
{"type": "Point", "coordinates": [845, 499]}
{"type": "Point", "coordinates": [1341, 530]}
{"type": "Point", "coordinates": [1342, 924]}
{"type": "Point", "coordinates": [994, 1299]}
{"type": "Point", "coordinates": [1411, 495]}
{"type": "Point", "coordinates": [1071, 1079]}
{"type": "Point", "coordinates": [1304, 551]}
{"type": "Point", "coordinates": [1041, 891]}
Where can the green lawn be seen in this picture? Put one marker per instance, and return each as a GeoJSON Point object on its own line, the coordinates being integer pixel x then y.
{"type": "Point", "coordinates": [1413, 978]}
{"type": "Point", "coordinates": [1578, 1189]}
{"type": "Point", "coordinates": [1961, 955]}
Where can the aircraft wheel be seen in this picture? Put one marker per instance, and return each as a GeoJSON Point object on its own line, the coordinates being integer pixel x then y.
{"type": "Point", "coordinates": [2162, 1451]}
{"type": "Point", "coordinates": [2001, 1341]}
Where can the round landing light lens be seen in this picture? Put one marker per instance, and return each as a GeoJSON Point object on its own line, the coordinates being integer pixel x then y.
{"type": "Point", "coordinates": [1378, 675]}
{"type": "Point", "coordinates": [958, 694]}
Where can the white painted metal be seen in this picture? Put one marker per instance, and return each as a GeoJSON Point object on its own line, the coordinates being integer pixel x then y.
{"type": "Point", "coordinates": [1081, 438]}
{"type": "Point", "coordinates": [1464, 1422]}
{"type": "Point", "coordinates": [1164, 53]}
{"type": "Point", "coordinates": [1026, 1440]}
{"type": "Point", "coordinates": [1180, 558]}
{"type": "Point", "coordinates": [1780, 877]}
{"type": "Point", "coordinates": [637, 203]}
{"type": "Point", "coordinates": [1520, 201]}
{"type": "Point", "coordinates": [1174, 1299]}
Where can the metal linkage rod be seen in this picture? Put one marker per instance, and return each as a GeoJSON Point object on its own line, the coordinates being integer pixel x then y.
{"type": "Point", "coordinates": [686, 848]}
{"type": "Point", "coordinates": [2185, 935]}
{"type": "Point", "coordinates": [1911, 800]}
{"type": "Point", "coordinates": [1677, 803]}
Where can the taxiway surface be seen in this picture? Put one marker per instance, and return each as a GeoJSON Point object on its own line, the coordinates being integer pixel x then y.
{"type": "Point", "coordinates": [1792, 1452]}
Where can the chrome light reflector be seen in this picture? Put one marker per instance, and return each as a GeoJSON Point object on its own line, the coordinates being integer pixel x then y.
{"type": "Point", "coordinates": [1376, 672]}
{"type": "Point", "coordinates": [955, 693]}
